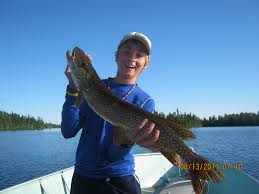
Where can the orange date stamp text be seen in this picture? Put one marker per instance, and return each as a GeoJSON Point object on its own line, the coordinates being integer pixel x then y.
{"type": "Point", "coordinates": [210, 166]}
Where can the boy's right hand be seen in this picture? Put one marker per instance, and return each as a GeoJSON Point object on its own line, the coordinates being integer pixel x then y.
{"type": "Point", "coordinates": [68, 71]}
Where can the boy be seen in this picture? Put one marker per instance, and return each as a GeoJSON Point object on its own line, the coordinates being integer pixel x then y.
{"type": "Point", "coordinates": [101, 166]}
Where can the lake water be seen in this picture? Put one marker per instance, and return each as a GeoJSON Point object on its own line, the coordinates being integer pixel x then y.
{"type": "Point", "coordinates": [25, 155]}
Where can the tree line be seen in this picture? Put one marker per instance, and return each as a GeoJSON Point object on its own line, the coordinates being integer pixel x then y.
{"type": "Point", "coordinates": [190, 120]}
{"type": "Point", "coordinates": [187, 119]}
{"type": "Point", "coordinates": [242, 119]}
{"type": "Point", "coordinates": [13, 121]}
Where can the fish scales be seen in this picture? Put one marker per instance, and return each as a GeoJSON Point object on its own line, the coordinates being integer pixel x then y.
{"type": "Point", "coordinates": [110, 109]}
{"type": "Point", "coordinates": [126, 117]}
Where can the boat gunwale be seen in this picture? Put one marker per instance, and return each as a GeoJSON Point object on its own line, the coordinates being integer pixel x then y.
{"type": "Point", "coordinates": [38, 179]}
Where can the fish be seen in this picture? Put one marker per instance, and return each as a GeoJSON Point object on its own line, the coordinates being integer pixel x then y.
{"type": "Point", "coordinates": [126, 117]}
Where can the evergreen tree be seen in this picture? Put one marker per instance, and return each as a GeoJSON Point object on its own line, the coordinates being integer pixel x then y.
{"type": "Point", "coordinates": [13, 121]}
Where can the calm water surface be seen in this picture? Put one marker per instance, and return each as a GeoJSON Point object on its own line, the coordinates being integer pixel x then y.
{"type": "Point", "coordinates": [25, 155]}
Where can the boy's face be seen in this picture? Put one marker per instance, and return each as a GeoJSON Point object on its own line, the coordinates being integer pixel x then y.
{"type": "Point", "coordinates": [131, 59]}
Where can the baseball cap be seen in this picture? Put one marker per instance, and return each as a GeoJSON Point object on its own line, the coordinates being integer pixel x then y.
{"type": "Point", "coordinates": [137, 36]}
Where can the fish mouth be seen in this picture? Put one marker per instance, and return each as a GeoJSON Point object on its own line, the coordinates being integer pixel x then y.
{"type": "Point", "coordinates": [80, 58]}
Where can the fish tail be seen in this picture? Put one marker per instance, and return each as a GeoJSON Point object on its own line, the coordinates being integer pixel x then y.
{"type": "Point", "coordinates": [201, 170]}
{"type": "Point", "coordinates": [172, 157]}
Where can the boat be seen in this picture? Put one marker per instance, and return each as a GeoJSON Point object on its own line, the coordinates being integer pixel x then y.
{"type": "Point", "coordinates": [155, 174]}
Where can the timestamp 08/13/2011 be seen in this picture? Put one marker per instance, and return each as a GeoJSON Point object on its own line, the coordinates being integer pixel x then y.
{"type": "Point", "coordinates": [210, 166]}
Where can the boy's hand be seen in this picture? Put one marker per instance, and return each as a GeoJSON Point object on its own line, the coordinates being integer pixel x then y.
{"type": "Point", "coordinates": [68, 70]}
{"type": "Point", "coordinates": [146, 138]}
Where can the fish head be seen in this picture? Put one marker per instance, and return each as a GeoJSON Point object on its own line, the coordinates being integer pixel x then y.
{"type": "Point", "coordinates": [81, 59]}
{"type": "Point", "coordinates": [81, 68]}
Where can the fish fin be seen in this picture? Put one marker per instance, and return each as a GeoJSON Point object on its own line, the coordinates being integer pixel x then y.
{"type": "Point", "coordinates": [180, 130]}
{"type": "Point", "coordinates": [172, 157]}
{"type": "Point", "coordinates": [119, 137]}
{"type": "Point", "coordinates": [200, 172]}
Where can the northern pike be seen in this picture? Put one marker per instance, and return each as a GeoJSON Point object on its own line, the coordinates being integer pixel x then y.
{"type": "Point", "coordinates": [126, 117]}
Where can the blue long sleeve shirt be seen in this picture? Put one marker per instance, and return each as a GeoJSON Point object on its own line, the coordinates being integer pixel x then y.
{"type": "Point", "coordinates": [96, 155]}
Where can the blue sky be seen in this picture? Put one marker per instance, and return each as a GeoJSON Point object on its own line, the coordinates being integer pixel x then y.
{"type": "Point", "coordinates": [205, 54]}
